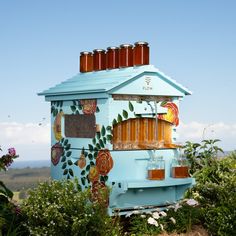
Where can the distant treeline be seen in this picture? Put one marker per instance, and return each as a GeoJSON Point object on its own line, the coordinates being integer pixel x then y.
{"type": "Point", "coordinates": [18, 179]}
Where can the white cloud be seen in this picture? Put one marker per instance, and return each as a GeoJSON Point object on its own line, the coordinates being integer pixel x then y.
{"type": "Point", "coordinates": [196, 131]}
{"type": "Point", "coordinates": [31, 140]}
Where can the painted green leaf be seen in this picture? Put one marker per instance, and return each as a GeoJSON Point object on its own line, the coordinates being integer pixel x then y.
{"type": "Point", "coordinates": [98, 135]}
{"type": "Point", "coordinates": [83, 172]}
{"type": "Point", "coordinates": [125, 114]}
{"type": "Point", "coordinates": [109, 137]}
{"type": "Point", "coordinates": [74, 102]}
{"type": "Point", "coordinates": [163, 103]}
{"type": "Point", "coordinates": [73, 108]}
{"type": "Point", "coordinates": [83, 180]}
{"type": "Point", "coordinates": [94, 141]}
{"type": "Point", "coordinates": [103, 131]}
{"type": "Point", "coordinates": [80, 106]}
{"type": "Point", "coordinates": [52, 109]}
{"type": "Point", "coordinates": [68, 153]}
{"type": "Point", "coordinates": [102, 178]}
{"type": "Point", "coordinates": [131, 107]}
{"type": "Point", "coordinates": [98, 146]}
{"type": "Point", "coordinates": [68, 176]}
{"type": "Point", "coordinates": [63, 159]}
{"type": "Point", "coordinates": [85, 154]}
{"type": "Point", "coordinates": [76, 163]}
{"type": "Point", "coordinates": [61, 110]}
{"type": "Point", "coordinates": [92, 163]}
{"type": "Point", "coordinates": [65, 142]}
{"type": "Point", "coordinates": [58, 103]}
{"type": "Point", "coordinates": [90, 147]}
{"type": "Point", "coordinates": [95, 155]}
{"type": "Point", "coordinates": [104, 140]}
{"type": "Point", "coordinates": [67, 147]}
{"type": "Point", "coordinates": [62, 140]}
{"type": "Point", "coordinates": [90, 156]}
{"type": "Point", "coordinates": [71, 172]}
{"type": "Point", "coordinates": [114, 122]}
{"type": "Point", "coordinates": [65, 172]}
{"type": "Point", "coordinates": [64, 165]}
{"type": "Point", "coordinates": [108, 128]}
{"type": "Point", "coordinates": [97, 110]}
{"type": "Point", "coordinates": [77, 112]}
{"type": "Point", "coordinates": [61, 103]}
{"type": "Point", "coordinates": [87, 167]}
{"type": "Point", "coordinates": [105, 177]}
{"type": "Point", "coordinates": [70, 162]}
{"type": "Point", "coordinates": [95, 149]}
{"type": "Point", "coordinates": [55, 112]}
{"type": "Point", "coordinates": [101, 143]}
{"type": "Point", "coordinates": [119, 118]}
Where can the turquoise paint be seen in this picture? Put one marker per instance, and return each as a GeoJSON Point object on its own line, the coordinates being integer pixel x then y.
{"type": "Point", "coordinates": [128, 177]}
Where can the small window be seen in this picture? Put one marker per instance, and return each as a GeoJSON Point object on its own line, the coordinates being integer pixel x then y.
{"type": "Point", "coordinates": [80, 126]}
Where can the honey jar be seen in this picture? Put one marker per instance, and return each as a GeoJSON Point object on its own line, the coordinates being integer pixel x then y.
{"type": "Point", "coordinates": [125, 55]}
{"type": "Point", "coordinates": [99, 59]}
{"type": "Point", "coordinates": [86, 62]}
{"type": "Point", "coordinates": [180, 168]}
{"type": "Point", "coordinates": [112, 57]}
{"type": "Point", "coordinates": [141, 53]}
{"type": "Point", "coordinates": [156, 169]}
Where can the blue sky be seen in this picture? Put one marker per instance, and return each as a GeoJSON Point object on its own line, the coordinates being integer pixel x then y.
{"type": "Point", "coordinates": [191, 41]}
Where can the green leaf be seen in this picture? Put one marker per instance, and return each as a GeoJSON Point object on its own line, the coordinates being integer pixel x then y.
{"type": "Point", "coordinates": [97, 110]}
{"type": "Point", "coordinates": [71, 172]}
{"type": "Point", "coordinates": [109, 137]}
{"type": "Point", "coordinates": [163, 103]}
{"type": "Point", "coordinates": [77, 112]}
{"type": "Point", "coordinates": [131, 107]}
{"type": "Point", "coordinates": [83, 172]}
{"type": "Point", "coordinates": [90, 156]}
{"type": "Point", "coordinates": [64, 165]}
{"type": "Point", "coordinates": [65, 142]}
{"type": "Point", "coordinates": [67, 147]}
{"type": "Point", "coordinates": [114, 122]}
{"type": "Point", "coordinates": [65, 172]}
{"type": "Point", "coordinates": [95, 149]}
{"type": "Point", "coordinates": [108, 128]}
{"type": "Point", "coordinates": [87, 167]}
{"type": "Point", "coordinates": [104, 140]}
{"type": "Point", "coordinates": [92, 163]}
{"type": "Point", "coordinates": [102, 179]}
{"type": "Point", "coordinates": [101, 143]}
{"type": "Point", "coordinates": [94, 141]}
{"type": "Point", "coordinates": [83, 180]}
{"type": "Point", "coordinates": [63, 159]}
{"type": "Point", "coordinates": [125, 114]}
{"type": "Point", "coordinates": [74, 102]}
{"type": "Point", "coordinates": [98, 146]}
{"type": "Point", "coordinates": [95, 155]}
{"type": "Point", "coordinates": [62, 140]}
{"type": "Point", "coordinates": [103, 131]}
{"type": "Point", "coordinates": [98, 135]}
{"type": "Point", "coordinates": [68, 153]}
{"type": "Point", "coordinates": [90, 147]}
{"type": "Point", "coordinates": [73, 108]}
{"type": "Point", "coordinates": [80, 107]}
{"type": "Point", "coordinates": [119, 118]}
{"type": "Point", "coordinates": [105, 177]}
{"type": "Point", "coordinates": [76, 163]}
{"type": "Point", "coordinates": [55, 112]}
{"type": "Point", "coordinates": [7, 192]}
{"type": "Point", "coordinates": [70, 162]}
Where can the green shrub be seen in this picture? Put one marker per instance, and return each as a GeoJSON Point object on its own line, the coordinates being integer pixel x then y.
{"type": "Point", "coordinates": [61, 208]}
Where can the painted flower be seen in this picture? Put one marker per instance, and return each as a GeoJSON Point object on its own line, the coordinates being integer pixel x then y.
{"type": "Point", "coordinates": [12, 152]}
{"type": "Point", "coordinates": [82, 160]}
{"type": "Point", "coordinates": [152, 221]}
{"type": "Point", "coordinates": [56, 153]}
{"type": "Point", "coordinates": [100, 193]}
{"type": "Point", "coordinates": [89, 106]}
{"type": "Point", "coordinates": [172, 114]}
{"type": "Point", "coordinates": [192, 202]}
{"type": "Point", "coordinates": [93, 174]}
{"type": "Point", "coordinates": [104, 162]}
{"type": "Point", "coordinates": [57, 126]}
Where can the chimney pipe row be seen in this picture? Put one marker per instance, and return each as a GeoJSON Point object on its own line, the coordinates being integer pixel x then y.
{"type": "Point", "coordinates": [115, 57]}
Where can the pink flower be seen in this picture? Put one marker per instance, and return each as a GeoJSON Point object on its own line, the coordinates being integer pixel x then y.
{"type": "Point", "coordinates": [12, 152]}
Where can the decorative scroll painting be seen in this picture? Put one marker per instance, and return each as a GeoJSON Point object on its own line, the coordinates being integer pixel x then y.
{"type": "Point", "coordinates": [172, 115]}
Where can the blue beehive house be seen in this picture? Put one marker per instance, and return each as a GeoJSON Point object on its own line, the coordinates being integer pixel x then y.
{"type": "Point", "coordinates": [109, 125]}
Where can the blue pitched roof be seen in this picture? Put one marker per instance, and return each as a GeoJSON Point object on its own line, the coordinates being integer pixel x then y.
{"type": "Point", "coordinates": [105, 81]}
